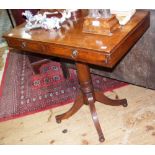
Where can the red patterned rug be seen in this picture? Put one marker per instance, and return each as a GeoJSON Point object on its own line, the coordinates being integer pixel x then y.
{"type": "Point", "coordinates": [24, 93]}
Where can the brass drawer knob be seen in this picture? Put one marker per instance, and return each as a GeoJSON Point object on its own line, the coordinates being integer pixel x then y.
{"type": "Point", "coordinates": [74, 53]}
{"type": "Point", "coordinates": [23, 45]}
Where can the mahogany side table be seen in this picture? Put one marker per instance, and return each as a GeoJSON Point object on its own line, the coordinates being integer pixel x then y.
{"type": "Point", "coordinates": [84, 49]}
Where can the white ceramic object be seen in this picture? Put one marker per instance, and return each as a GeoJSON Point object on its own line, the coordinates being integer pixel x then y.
{"type": "Point", "coordinates": [123, 15]}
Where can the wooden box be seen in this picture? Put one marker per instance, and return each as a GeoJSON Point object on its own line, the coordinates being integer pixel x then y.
{"type": "Point", "coordinates": [103, 26]}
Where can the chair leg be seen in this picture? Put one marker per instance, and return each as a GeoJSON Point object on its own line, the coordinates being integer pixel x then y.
{"type": "Point", "coordinates": [65, 70]}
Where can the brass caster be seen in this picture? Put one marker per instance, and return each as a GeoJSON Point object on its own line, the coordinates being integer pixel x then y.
{"type": "Point", "coordinates": [125, 104]}
{"type": "Point", "coordinates": [58, 120]}
{"type": "Point", "coordinates": [101, 139]}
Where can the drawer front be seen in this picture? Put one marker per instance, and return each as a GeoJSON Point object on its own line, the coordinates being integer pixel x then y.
{"type": "Point", "coordinates": [25, 45]}
{"type": "Point", "coordinates": [82, 55]}
{"type": "Point", "coordinates": [75, 54]}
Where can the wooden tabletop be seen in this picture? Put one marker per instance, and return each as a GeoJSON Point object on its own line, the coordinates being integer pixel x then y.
{"type": "Point", "coordinates": [106, 50]}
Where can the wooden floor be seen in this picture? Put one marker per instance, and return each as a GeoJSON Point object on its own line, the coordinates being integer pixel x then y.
{"type": "Point", "coordinates": [134, 124]}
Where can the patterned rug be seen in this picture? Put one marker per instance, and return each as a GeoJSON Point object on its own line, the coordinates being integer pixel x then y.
{"type": "Point", "coordinates": [22, 92]}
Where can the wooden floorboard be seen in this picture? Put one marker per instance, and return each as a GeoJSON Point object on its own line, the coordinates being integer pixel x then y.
{"type": "Point", "coordinates": [134, 124]}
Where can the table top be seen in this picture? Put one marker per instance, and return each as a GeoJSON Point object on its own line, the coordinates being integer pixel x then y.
{"type": "Point", "coordinates": [106, 50]}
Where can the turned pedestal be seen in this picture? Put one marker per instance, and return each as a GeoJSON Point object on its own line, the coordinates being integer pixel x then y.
{"type": "Point", "coordinates": [88, 96]}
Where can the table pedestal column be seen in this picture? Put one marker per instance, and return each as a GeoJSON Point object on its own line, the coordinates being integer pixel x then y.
{"type": "Point", "coordinates": [88, 96]}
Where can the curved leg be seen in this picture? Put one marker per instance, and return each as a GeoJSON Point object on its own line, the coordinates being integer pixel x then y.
{"type": "Point", "coordinates": [88, 96]}
{"type": "Point", "coordinates": [103, 99]}
{"type": "Point", "coordinates": [95, 117]}
{"type": "Point", "coordinates": [76, 106]}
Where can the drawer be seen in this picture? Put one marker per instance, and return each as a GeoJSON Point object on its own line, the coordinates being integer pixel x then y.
{"type": "Point", "coordinates": [76, 54]}
{"type": "Point", "coordinates": [62, 51]}
{"type": "Point", "coordinates": [24, 45]}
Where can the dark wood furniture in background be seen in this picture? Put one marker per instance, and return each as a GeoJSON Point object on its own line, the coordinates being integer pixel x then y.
{"type": "Point", "coordinates": [84, 49]}
{"type": "Point", "coordinates": [16, 17]}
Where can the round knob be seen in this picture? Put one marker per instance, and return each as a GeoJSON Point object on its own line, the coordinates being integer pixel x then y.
{"type": "Point", "coordinates": [23, 45]}
{"type": "Point", "coordinates": [74, 53]}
